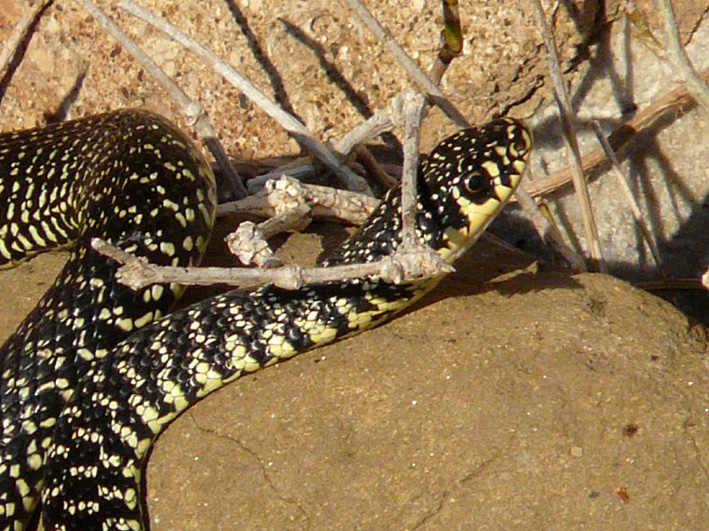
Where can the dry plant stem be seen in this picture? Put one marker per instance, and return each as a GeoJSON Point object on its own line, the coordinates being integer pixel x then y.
{"type": "Point", "coordinates": [18, 33]}
{"type": "Point", "coordinates": [570, 139]}
{"type": "Point", "coordinates": [677, 56]}
{"type": "Point", "coordinates": [349, 179]}
{"type": "Point", "coordinates": [548, 231]}
{"type": "Point", "coordinates": [382, 121]}
{"type": "Point", "coordinates": [452, 36]}
{"type": "Point", "coordinates": [323, 201]}
{"type": "Point", "coordinates": [138, 273]}
{"type": "Point", "coordinates": [630, 198]}
{"type": "Point", "coordinates": [413, 109]}
{"type": "Point", "coordinates": [674, 99]}
{"type": "Point", "coordinates": [365, 157]}
{"type": "Point", "coordinates": [191, 109]}
{"type": "Point", "coordinates": [414, 258]}
{"type": "Point", "coordinates": [428, 87]}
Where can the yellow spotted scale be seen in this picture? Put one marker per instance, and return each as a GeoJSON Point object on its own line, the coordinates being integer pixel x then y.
{"type": "Point", "coordinates": [96, 371]}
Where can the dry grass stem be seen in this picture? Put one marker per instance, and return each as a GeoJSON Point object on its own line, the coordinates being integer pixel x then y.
{"type": "Point", "coordinates": [291, 124]}
{"type": "Point", "coordinates": [428, 87]}
{"type": "Point", "coordinates": [19, 32]}
{"type": "Point", "coordinates": [567, 122]}
{"type": "Point", "coordinates": [191, 109]}
{"type": "Point", "coordinates": [630, 198]}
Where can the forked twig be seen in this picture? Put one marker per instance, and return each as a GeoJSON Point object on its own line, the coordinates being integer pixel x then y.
{"type": "Point", "coordinates": [428, 87]}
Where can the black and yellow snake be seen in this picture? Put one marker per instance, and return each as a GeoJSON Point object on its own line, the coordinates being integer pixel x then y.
{"type": "Point", "coordinates": [96, 371]}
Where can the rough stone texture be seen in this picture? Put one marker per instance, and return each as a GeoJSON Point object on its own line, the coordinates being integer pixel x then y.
{"type": "Point", "coordinates": [511, 398]}
{"type": "Point", "coordinates": [530, 401]}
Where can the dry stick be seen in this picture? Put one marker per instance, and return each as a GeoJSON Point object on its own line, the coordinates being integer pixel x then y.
{"type": "Point", "coordinates": [18, 33]}
{"type": "Point", "coordinates": [549, 232]}
{"type": "Point", "coordinates": [349, 179]}
{"type": "Point", "coordinates": [427, 86]}
{"type": "Point", "coordinates": [570, 139]}
{"type": "Point", "coordinates": [191, 109]}
{"type": "Point", "coordinates": [677, 56]}
{"type": "Point", "coordinates": [373, 168]}
{"type": "Point", "coordinates": [137, 272]}
{"type": "Point", "coordinates": [418, 257]}
{"type": "Point", "coordinates": [674, 99]}
{"type": "Point", "coordinates": [630, 198]}
{"type": "Point", "coordinates": [381, 122]}
{"type": "Point", "coordinates": [324, 202]}
{"type": "Point", "coordinates": [413, 109]}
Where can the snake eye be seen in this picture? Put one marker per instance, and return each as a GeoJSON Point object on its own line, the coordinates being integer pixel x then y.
{"type": "Point", "coordinates": [476, 183]}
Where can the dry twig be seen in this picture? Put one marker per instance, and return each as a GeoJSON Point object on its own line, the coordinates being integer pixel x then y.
{"type": "Point", "coordinates": [19, 32]}
{"type": "Point", "coordinates": [291, 124]}
{"type": "Point", "coordinates": [675, 99]}
{"type": "Point", "coordinates": [191, 109]}
{"type": "Point", "coordinates": [434, 94]}
{"type": "Point", "coordinates": [566, 115]}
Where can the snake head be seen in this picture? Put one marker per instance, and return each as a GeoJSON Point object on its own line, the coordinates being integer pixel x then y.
{"type": "Point", "coordinates": [468, 178]}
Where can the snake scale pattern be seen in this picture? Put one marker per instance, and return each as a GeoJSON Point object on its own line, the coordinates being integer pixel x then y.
{"type": "Point", "coordinates": [96, 371]}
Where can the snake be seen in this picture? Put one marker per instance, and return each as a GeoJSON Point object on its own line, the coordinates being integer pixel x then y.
{"type": "Point", "coordinates": [97, 370]}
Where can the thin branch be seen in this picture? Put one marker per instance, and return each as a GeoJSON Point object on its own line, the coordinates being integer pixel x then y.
{"type": "Point", "coordinates": [291, 124]}
{"type": "Point", "coordinates": [19, 32]}
{"type": "Point", "coordinates": [428, 87]}
{"type": "Point", "coordinates": [630, 198]}
{"type": "Point", "coordinates": [676, 56]}
{"type": "Point", "coordinates": [566, 115]}
{"type": "Point", "coordinates": [642, 120]}
{"type": "Point", "coordinates": [190, 108]}
{"type": "Point", "coordinates": [413, 109]}
{"type": "Point", "coordinates": [452, 36]}
{"type": "Point", "coordinates": [138, 273]}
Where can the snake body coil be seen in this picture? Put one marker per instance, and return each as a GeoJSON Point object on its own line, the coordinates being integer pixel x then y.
{"type": "Point", "coordinates": [95, 373]}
